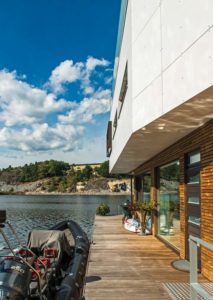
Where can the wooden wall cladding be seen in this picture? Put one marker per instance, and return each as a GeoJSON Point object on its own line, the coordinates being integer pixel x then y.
{"type": "Point", "coordinates": [201, 139]}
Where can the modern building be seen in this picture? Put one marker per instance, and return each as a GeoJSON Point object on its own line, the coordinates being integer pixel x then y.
{"type": "Point", "coordinates": [161, 126]}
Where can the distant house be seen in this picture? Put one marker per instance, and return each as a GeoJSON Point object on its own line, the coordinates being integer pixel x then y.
{"type": "Point", "coordinates": [80, 167]}
{"type": "Point", "coordinates": [161, 127]}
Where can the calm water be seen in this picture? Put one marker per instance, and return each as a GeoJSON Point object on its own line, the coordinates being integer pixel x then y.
{"type": "Point", "coordinates": [41, 212]}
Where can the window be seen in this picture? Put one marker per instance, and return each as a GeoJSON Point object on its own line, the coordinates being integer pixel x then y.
{"type": "Point", "coordinates": [194, 199]}
{"type": "Point", "coordinates": [146, 198]}
{"type": "Point", "coordinates": [193, 188]}
{"type": "Point", "coordinates": [137, 187]}
{"type": "Point", "coordinates": [194, 220]}
{"type": "Point", "coordinates": [146, 187]}
{"type": "Point", "coordinates": [193, 168]}
{"type": "Point", "coordinates": [115, 123]}
{"type": "Point", "coordinates": [192, 177]}
{"type": "Point", "coordinates": [123, 91]}
{"type": "Point", "coordinates": [109, 139]}
{"type": "Point", "coordinates": [168, 202]}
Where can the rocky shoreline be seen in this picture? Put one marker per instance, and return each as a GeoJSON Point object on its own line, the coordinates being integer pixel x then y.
{"type": "Point", "coordinates": [91, 193]}
{"type": "Point", "coordinates": [111, 187]}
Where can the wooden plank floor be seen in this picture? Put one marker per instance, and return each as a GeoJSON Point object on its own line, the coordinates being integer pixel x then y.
{"type": "Point", "coordinates": [123, 265]}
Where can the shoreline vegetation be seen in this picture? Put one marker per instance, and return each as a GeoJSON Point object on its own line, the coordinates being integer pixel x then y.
{"type": "Point", "coordinates": [83, 194]}
{"type": "Point", "coordinates": [60, 178]}
{"type": "Point", "coordinates": [88, 193]}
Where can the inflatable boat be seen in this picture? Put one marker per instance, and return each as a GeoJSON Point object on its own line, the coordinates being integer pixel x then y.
{"type": "Point", "coordinates": [51, 266]}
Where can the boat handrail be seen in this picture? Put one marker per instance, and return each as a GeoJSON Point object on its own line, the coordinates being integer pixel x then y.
{"type": "Point", "coordinates": [195, 288]}
{"type": "Point", "coordinates": [14, 233]}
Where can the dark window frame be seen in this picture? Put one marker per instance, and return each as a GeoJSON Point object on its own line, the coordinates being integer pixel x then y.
{"type": "Point", "coordinates": [142, 184]}
{"type": "Point", "coordinates": [157, 171]}
{"type": "Point", "coordinates": [123, 91]}
{"type": "Point", "coordinates": [170, 243]}
{"type": "Point", "coordinates": [191, 169]}
{"type": "Point", "coordinates": [109, 139]}
{"type": "Point", "coordinates": [115, 124]}
{"type": "Point", "coordinates": [192, 209]}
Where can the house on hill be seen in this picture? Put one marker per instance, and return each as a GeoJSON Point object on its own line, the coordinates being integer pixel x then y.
{"type": "Point", "coordinates": [80, 167]}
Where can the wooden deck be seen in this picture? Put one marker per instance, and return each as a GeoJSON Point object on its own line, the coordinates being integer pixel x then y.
{"type": "Point", "coordinates": [123, 265]}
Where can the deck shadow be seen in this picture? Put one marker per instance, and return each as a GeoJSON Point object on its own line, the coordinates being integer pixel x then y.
{"type": "Point", "coordinates": [92, 278]}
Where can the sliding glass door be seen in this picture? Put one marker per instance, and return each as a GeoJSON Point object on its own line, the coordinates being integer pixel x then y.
{"type": "Point", "coordinates": [168, 203]}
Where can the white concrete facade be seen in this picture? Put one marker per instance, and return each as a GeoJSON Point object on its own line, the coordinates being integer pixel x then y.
{"type": "Point", "coordinates": [168, 46]}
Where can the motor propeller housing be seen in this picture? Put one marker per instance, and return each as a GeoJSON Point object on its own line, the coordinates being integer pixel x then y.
{"type": "Point", "coordinates": [15, 278]}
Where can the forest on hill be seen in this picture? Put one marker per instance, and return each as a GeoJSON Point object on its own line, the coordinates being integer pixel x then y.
{"type": "Point", "coordinates": [56, 176]}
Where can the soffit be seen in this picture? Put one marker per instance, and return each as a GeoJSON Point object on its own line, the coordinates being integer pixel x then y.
{"type": "Point", "coordinates": [148, 141]}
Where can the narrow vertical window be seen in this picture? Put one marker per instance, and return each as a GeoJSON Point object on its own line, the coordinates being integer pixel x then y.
{"type": "Point", "coordinates": [193, 166]}
{"type": "Point", "coordinates": [109, 139]}
{"type": "Point", "coordinates": [123, 91]}
{"type": "Point", "coordinates": [115, 123]}
{"type": "Point", "coordinates": [146, 187]}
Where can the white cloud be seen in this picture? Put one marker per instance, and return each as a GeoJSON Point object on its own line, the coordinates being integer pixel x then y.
{"type": "Point", "coordinates": [99, 103]}
{"type": "Point", "coordinates": [108, 80]}
{"type": "Point", "coordinates": [92, 63]}
{"type": "Point", "coordinates": [41, 138]}
{"type": "Point", "coordinates": [66, 72]}
{"type": "Point", "coordinates": [90, 66]}
{"type": "Point", "coordinates": [86, 153]}
{"type": "Point", "coordinates": [22, 103]}
{"type": "Point", "coordinates": [26, 111]}
{"type": "Point", "coordinates": [88, 90]}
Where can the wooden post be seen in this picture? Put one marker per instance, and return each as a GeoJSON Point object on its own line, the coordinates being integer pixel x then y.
{"type": "Point", "coordinates": [131, 189]}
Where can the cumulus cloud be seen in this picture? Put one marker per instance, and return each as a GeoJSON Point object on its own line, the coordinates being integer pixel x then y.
{"type": "Point", "coordinates": [99, 103]}
{"type": "Point", "coordinates": [22, 103]}
{"type": "Point", "coordinates": [88, 90]}
{"type": "Point", "coordinates": [108, 80]}
{"type": "Point", "coordinates": [92, 63]}
{"type": "Point", "coordinates": [68, 72]}
{"type": "Point", "coordinates": [38, 120]}
{"type": "Point", "coordinates": [41, 138]}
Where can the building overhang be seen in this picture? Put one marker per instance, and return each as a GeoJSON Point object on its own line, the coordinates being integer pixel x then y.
{"type": "Point", "coordinates": [163, 132]}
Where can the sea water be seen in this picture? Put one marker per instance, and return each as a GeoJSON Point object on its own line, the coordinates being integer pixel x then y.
{"type": "Point", "coordinates": [41, 212]}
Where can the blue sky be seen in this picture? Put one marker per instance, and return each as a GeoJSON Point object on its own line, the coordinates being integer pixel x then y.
{"type": "Point", "coordinates": [56, 64]}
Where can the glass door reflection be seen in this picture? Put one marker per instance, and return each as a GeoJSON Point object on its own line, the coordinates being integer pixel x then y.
{"type": "Point", "coordinates": [168, 202]}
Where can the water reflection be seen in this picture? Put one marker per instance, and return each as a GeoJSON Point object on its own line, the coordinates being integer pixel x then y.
{"type": "Point", "coordinates": [41, 212]}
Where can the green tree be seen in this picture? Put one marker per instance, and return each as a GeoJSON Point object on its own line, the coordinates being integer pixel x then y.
{"type": "Point", "coordinates": [103, 170]}
{"type": "Point", "coordinates": [87, 172]}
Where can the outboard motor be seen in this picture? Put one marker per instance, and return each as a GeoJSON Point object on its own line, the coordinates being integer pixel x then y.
{"type": "Point", "coordinates": [15, 275]}
{"type": "Point", "coordinates": [15, 279]}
